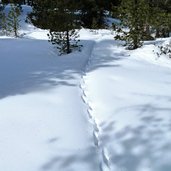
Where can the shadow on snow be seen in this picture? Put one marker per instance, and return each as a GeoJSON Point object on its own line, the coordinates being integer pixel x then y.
{"type": "Point", "coordinates": [33, 65]}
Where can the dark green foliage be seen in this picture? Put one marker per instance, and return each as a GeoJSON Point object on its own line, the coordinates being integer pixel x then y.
{"type": "Point", "coordinates": [145, 20]}
{"type": "Point", "coordinates": [92, 13]}
{"type": "Point", "coordinates": [3, 23]}
{"type": "Point", "coordinates": [18, 2]}
{"type": "Point", "coordinates": [4, 1]}
{"type": "Point", "coordinates": [61, 17]}
{"type": "Point", "coordinates": [1, 14]}
{"type": "Point", "coordinates": [159, 17]}
{"type": "Point", "coordinates": [112, 7]}
{"type": "Point", "coordinates": [133, 15]}
{"type": "Point", "coordinates": [13, 20]}
{"type": "Point", "coordinates": [161, 23]}
{"type": "Point", "coordinates": [108, 5]}
{"type": "Point", "coordinates": [57, 15]}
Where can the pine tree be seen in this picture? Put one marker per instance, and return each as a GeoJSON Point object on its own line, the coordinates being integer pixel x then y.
{"type": "Point", "coordinates": [108, 5]}
{"type": "Point", "coordinates": [13, 20]}
{"type": "Point", "coordinates": [61, 18]}
{"type": "Point", "coordinates": [134, 16]}
{"type": "Point", "coordinates": [162, 24]}
{"type": "Point", "coordinates": [159, 17]}
{"type": "Point", "coordinates": [18, 2]}
{"type": "Point", "coordinates": [1, 15]}
{"type": "Point", "coordinates": [92, 13]}
{"type": "Point", "coordinates": [66, 41]}
{"type": "Point", "coordinates": [3, 24]}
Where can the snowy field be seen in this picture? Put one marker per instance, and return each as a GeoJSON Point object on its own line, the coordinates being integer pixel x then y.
{"type": "Point", "coordinates": [102, 109]}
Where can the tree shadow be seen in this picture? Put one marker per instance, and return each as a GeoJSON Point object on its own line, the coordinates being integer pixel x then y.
{"type": "Point", "coordinates": [144, 146]}
{"type": "Point", "coordinates": [29, 65]}
{"type": "Point", "coordinates": [33, 65]}
{"type": "Point", "coordinates": [108, 53]}
{"type": "Point", "coordinates": [83, 159]}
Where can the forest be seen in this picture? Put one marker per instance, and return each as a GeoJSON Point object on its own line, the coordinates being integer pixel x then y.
{"type": "Point", "coordinates": [140, 20]}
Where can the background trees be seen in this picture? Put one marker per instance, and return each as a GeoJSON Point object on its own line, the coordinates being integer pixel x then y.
{"type": "Point", "coordinates": [144, 20]}
{"type": "Point", "coordinates": [134, 16]}
{"type": "Point", "coordinates": [9, 21]}
{"type": "Point", "coordinates": [92, 13]}
{"type": "Point", "coordinates": [140, 19]}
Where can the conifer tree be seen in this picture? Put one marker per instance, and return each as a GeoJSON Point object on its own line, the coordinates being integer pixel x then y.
{"type": "Point", "coordinates": [18, 2]}
{"type": "Point", "coordinates": [92, 13]}
{"type": "Point", "coordinates": [13, 20]}
{"type": "Point", "coordinates": [108, 5]}
{"type": "Point", "coordinates": [3, 24]}
{"type": "Point", "coordinates": [162, 24]}
{"type": "Point", "coordinates": [1, 15]}
{"type": "Point", "coordinates": [159, 17]}
{"type": "Point", "coordinates": [133, 15]}
{"type": "Point", "coordinates": [60, 17]}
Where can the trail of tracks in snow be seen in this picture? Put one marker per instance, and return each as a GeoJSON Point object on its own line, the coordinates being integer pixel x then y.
{"type": "Point", "coordinates": [104, 159]}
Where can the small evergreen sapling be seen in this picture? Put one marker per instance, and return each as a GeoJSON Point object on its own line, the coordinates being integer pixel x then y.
{"type": "Point", "coordinates": [65, 41]}
{"type": "Point", "coordinates": [13, 20]}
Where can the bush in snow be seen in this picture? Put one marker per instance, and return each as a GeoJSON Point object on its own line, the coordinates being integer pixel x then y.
{"type": "Point", "coordinates": [165, 49]}
{"type": "Point", "coordinates": [66, 41]}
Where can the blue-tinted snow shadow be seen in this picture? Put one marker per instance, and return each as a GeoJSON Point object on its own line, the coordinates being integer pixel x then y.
{"type": "Point", "coordinates": [29, 65]}
{"type": "Point", "coordinates": [107, 55]}
{"type": "Point", "coordinates": [145, 145]}
{"type": "Point", "coordinates": [89, 157]}
{"type": "Point", "coordinates": [84, 159]}
{"type": "Point", "coordinates": [142, 146]}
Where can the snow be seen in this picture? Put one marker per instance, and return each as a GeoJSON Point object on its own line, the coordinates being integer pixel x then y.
{"type": "Point", "coordinates": [41, 111]}
{"type": "Point", "coordinates": [130, 98]}
{"type": "Point", "coordinates": [102, 109]}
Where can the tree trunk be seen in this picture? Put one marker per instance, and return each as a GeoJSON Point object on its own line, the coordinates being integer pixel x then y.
{"type": "Point", "coordinates": [68, 42]}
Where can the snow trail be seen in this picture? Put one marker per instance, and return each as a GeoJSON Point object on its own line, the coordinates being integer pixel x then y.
{"type": "Point", "coordinates": [104, 161]}
{"type": "Point", "coordinates": [130, 103]}
{"type": "Point", "coordinates": [43, 122]}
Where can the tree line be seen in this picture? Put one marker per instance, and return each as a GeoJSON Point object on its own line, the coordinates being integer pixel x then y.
{"type": "Point", "coordinates": [140, 19]}
{"type": "Point", "coordinates": [9, 21]}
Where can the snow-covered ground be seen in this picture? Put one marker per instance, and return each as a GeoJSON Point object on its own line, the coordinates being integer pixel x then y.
{"type": "Point", "coordinates": [102, 109]}
{"type": "Point", "coordinates": [130, 98]}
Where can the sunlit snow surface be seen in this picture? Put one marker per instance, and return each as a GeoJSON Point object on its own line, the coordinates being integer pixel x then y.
{"type": "Point", "coordinates": [44, 122]}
